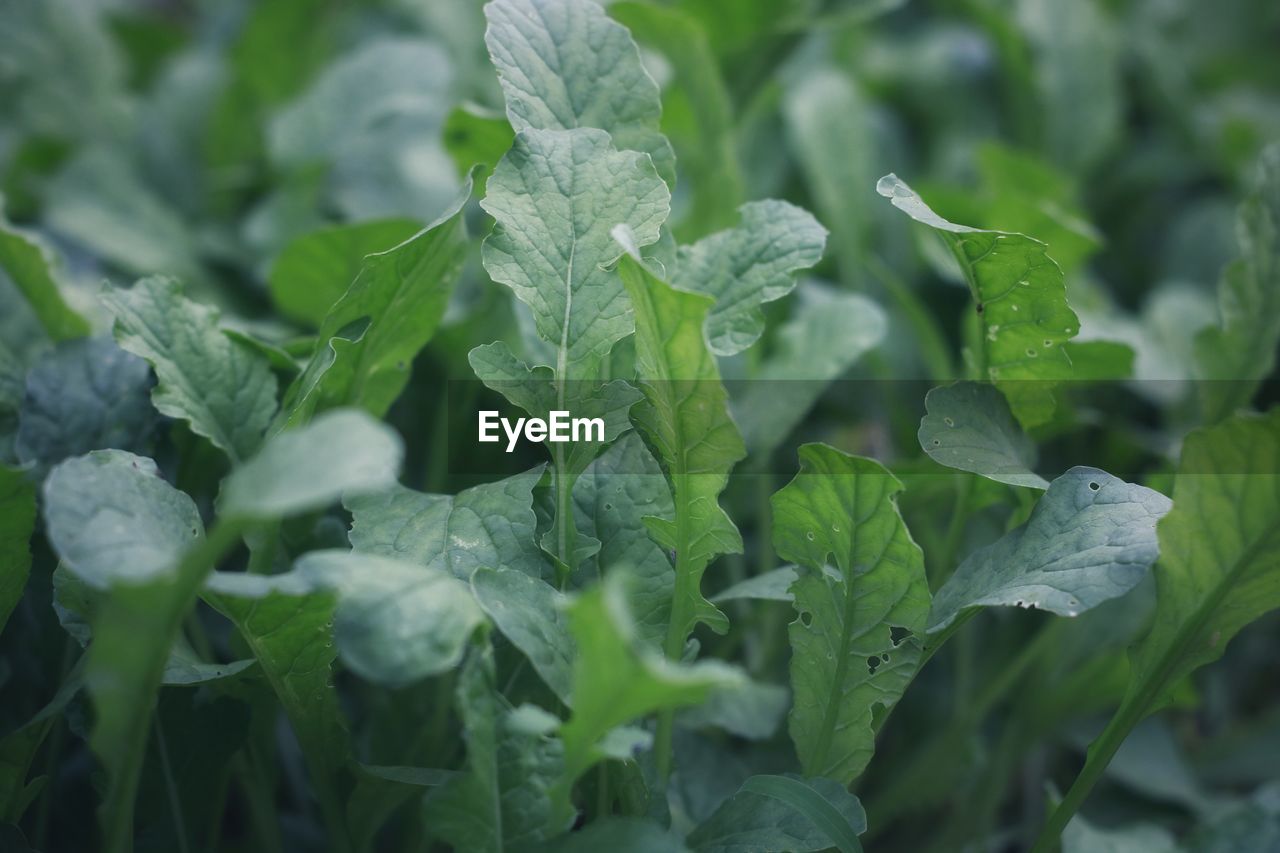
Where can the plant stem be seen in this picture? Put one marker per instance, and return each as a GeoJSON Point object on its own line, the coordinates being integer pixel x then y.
{"type": "Point", "coordinates": [682, 598]}
{"type": "Point", "coordinates": [566, 533]}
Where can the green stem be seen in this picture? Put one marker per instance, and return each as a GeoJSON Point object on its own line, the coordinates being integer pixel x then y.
{"type": "Point", "coordinates": [932, 343]}
{"type": "Point", "coordinates": [262, 810]}
{"type": "Point", "coordinates": [683, 596]}
{"type": "Point", "coordinates": [171, 788]}
{"type": "Point", "coordinates": [566, 533]}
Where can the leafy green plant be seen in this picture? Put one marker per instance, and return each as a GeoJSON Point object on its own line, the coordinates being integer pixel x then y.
{"type": "Point", "coordinates": [263, 587]}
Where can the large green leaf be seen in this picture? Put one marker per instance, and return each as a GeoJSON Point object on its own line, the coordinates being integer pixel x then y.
{"type": "Point", "coordinates": [565, 64]}
{"type": "Point", "coordinates": [555, 197]}
{"type": "Point", "coordinates": [492, 524]}
{"type": "Point", "coordinates": [1219, 570]}
{"type": "Point", "coordinates": [17, 523]}
{"type": "Point", "coordinates": [1092, 537]}
{"type": "Point", "coordinates": [111, 517]}
{"type": "Point", "coordinates": [29, 264]}
{"type": "Point", "coordinates": [743, 267]}
{"type": "Point", "coordinates": [1023, 317]}
{"type": "Point", "coordinates": [757, 818]}
{"type": "Point", "coordinates": [530, 613]}
{"type": "Point", "coordinates": [313, 272]}
{"type": "Point", "coordinates": [85, 394]}
{"type": "Point", "coordinates": [343, 452]}
{"type": "Point", "coordinates": [223, 389]}
{"type": "Point", "coordinates": [1237, 355]}
{"type": "Point", "coordinates": [685, 417]}
{"type": "Point", "coordinates": [617, 680]}
{"type": "Point", "coordinates": [829, 331]}
{"type": "Point", "coordinates": [503, 800]}
{"type": "Point", "coordinates": [848, 663]}
{"type": "Point", "coordinates": [968, 426]}
{"type": "Point", "coordinates": [397, 300]}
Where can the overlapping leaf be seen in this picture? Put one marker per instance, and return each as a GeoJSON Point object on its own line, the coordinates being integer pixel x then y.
{"type": "Point", "coordinates": [968, 426]}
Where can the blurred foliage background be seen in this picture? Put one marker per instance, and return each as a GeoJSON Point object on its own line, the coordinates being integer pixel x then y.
{"type": "Point", "coordinates": [210, 139]}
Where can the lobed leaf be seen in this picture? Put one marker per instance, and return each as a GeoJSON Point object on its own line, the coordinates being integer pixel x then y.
{"type": "Point", "coordinates": [848, 663]}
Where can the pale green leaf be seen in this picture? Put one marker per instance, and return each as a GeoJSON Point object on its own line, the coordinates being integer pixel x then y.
{"type": "Point", "coordinates": [748, 265]}
{"type": "Point", "coordinates": [847, 664]}
{"type": "Point", "coordinates": [223, 389]}
{"type": "Point", "coordinates": [1081, 836]}
{"type": "Point", "coordinates": [685, 418]}
{"type": "Point", "coordinates": [530, 613]}
{"type": "Point", "coordinates": [555, 197]}
{"type": "Point", "coordinates": [313, 271]}
{"type": "Point", "coordinates": [564, 64]}
{"type": "Point", "coordinates": [29, 264]}
{"type": "Point", "coordinates": [1090, 538]}
{"type": "Point", "coordinates": [773, 585]}
{"type": "Point", "coordinates": [391, 310]}
{"type": "Point", "coordinates": [492, 524]}
{"type": "Point", "coordinates": [1023, 316]}
{"type": "Point", "coordinates": [112, 518]}
{"type": "Point", "coordinates": [968, 426]}
{"type": "Point", "coordinates": [341, 452]}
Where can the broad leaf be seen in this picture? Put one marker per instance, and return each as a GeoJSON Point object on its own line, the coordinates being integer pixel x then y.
{"type": "Point", "coordinates": [748, 265]}
{"type": "Point", "coordinates": [829, 331]}
{"type": "Point", "coordinates": [1090, 538]}
{"type": "Point", "coordinates": [555, 197]}
{"type": "Point", "coordinates": [396, 301]}
{"type": "Point", "coordinates": [750, 710]}
{"type": "Point", "coordinates": [17, 523]}
{"type": "Point", "coordinates": [848, 664]}
{"type": "Point", "coordinates": [685, 417]}
{"type": "Point", "coordinates": [503, 800]}
{"type": "Point", "coordinates": [1021, 301]}
{"type": "Point", "coordinates": [223, 389]}
{"type": "Point", "coordinates": [86, 394]}
{"type": "Point", "coordinates": [773, 585]}
{"type": "Point", "coordinates": [492, 524]}
{"type": "Point", "coordinates": [530, 613]}
{"type": "Point", "coordinates": [360, 456]}
{"type": "Point", "coordinates": [313, 272]}
{"type": "Point", "coordinates": [111, 517]}
{"type": "Point", "coordinates": [968, 426]}
{"type": "Point", "coordinates": [1237, 355]}
{"type": "Point", "coordinates": [564, 64]}
{"type": "Point", "coordinates": [757, 818]}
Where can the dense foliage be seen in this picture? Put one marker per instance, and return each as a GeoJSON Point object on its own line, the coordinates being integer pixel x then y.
{"type": "Point", "coordinates": [938, 505]}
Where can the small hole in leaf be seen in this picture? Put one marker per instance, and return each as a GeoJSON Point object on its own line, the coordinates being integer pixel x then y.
{"type": "Point", "coordinates": [809, 535]}
{"type": "Point", "coordinates": [948, 421]}
{"type": "Point", "coordinates": [1094, 486]}
{"type": "Point", "coordinates": [884, 658]}
{"type": "Point", "coordinates": [936, 442]}
{"type": "Point", "coordinates": [608, 507]}
{"type": "Point", "coordinates": [897, 634]}
{"type": "Point", "coordinates": [806, 618]}
{"type": "Point", "coordinates": [873, 663]}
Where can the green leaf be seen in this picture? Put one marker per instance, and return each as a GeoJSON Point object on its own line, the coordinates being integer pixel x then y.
{"type": "Point", "coordinates": [1082, 836]}
{"type": "Point", "coordinates": [783, 813]}
{"type": "Point", "coordinates": [373, 118]}
{"type": "Point", "coordinates": [968, 426]}
{"type": "Point", "coordinates": [530, 613]}
{"type": "Point", "coordinates": [86, 394]}
{"type": "Point", "coordinates": [566, 65]}
{"type": "Point", "coordinates": [617, 680]}
{"type": "Point", "coordinates": [1090, 538]}
{"type": "Point", "coordinates": [555, 197]}
{"type": "Point", "coordinates": [773, 585]}
{"type": "Point", "coordinates": [29, 264]}
{"type": "Point", "coordinates": [397, 623]}
{"type": "Point", "coordinates": [360, 455]}
{"type": "Point", "coordinates": [1219, 570]}
{"type": "Point", "coordinates": [492, 524]}
{"type": "Point", "coordinates": [314, 271]}
{"type": "Point", "coordinates": [618, 835]}
{"type": "Point", "coordinates": [503, 800]}
{"type": "Point", "coordinates": [475, 136]}
{"type": "Point", "coordinates": [1237, 355]}
{"type": "Point", "coordinates": [750, 710]}
{"type": "Point", "coordinates": [398, 298]}
{"type": "Point", "coordinates": [748, 265]}
{"type": "Point", "coordinates": [828, 333]}
{"type": "Point", "coordinates": [223, 389]}
{"type": "Point", "coordinates": [1021, 300]}
{"type": "Point", "coordinates": [112, 518]}
{"type": "Point", "coordinates": [686, 420]}
{"type": "Point", "coordinates": [17, 523]}
{"type": "Point", "coordinates": [847, 665]}
{"type": "Point", "coordinates": [611, 500]}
